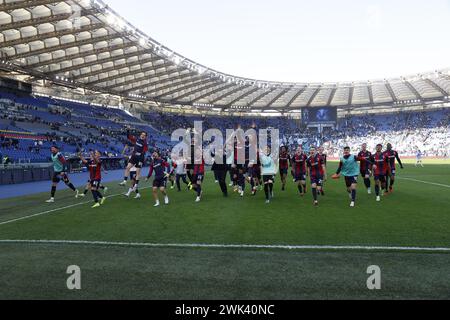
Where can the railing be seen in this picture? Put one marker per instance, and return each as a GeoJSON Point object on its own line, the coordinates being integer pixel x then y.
{"type": "Point", "coordinates": [22, 164]}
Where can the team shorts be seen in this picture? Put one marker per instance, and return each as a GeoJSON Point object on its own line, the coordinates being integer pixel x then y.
{"type": "Point", "coordinates": [284, 171]}
{"type": "Point", "coordinates": [300, 177]}
{"type": "Point", "coordinates": [159, 183]}
{"type": "Point", "coordinates": [318, 180]}
{"type": "Point", "coordinates": [137, 161]}
{"type": "Point", "coordinates": [198, 178]}
{"type": "Point", "coordinates": [365, 173]}
{"type": "Point", "coordinates": [58, 176]}
{"type": "Point", "coordinates": [268, 179]}
{"type": "Point", "coordinates": [351, 180]}
{"type": "Point", "coordinates": [95, 184]}
{"type": "Point", "coordinates": [380, 177]}
{"type": "Point", "coordinates": [256, 172]}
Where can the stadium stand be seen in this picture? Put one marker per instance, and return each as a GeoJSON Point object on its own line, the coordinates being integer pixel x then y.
{"type": "Point", "coordinates": [30, 125]}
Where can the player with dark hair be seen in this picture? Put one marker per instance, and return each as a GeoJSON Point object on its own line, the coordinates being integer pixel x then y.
{"type": "Point", "coordinates": [317, 173]}
{"type": "Point", "coordinates": [390, 178]}
{"type": "Point", "coordinates": [380, 170]}
{"type": "Point", "coordinates": [94, 165]}
{"type": "Point", "coordinates": [324, 156]}
{"type": "Point", "coordinates": [60, 168]}
{"type": "Point", "coordinates": [140, 148]}
{"type": "Point", "coordinates": [161, 169]}
{"type": "Point", "coordinates": [348, 167]}
{"type": "Point", "coordinates": [198, 175]}
{"type": "Point", "coordinates": [284, 160]}
{"type": "Point", "coordinates": [299, 170]}
{"type": "Point", "coordinates": [365, 166]}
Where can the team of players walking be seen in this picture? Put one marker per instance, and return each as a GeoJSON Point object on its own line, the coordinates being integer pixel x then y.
{"type": "Point", "coordinates": [259, 174]}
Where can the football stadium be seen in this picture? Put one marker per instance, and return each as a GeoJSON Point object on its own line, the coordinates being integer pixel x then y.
{"type": "Point", "coordinates": [129, 171]}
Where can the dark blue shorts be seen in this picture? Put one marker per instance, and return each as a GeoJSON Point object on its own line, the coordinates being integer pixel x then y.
{"type": "Point", "coordinates": [351, 180]}
{"type": "Point", "coordinates": [317, 180]}
{"type": "Point", "coordinates": [159, 183]}
{"type": "Point", "coordinates": [300, 177]}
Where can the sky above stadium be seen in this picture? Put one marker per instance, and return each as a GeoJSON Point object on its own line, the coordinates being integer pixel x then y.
{"type": "Point", "coordinates": [298, 40]}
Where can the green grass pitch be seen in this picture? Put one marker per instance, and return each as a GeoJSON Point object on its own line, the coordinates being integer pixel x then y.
{"type": "Point", "coordinates": [416, 215]}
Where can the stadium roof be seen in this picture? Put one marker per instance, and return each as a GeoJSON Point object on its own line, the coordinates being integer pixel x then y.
{"type": "Point", "coordinates": [84, 43]}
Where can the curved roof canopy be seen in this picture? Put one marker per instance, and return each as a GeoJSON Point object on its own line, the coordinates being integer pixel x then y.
{"type": "Point", "coordinates": [84, 43]}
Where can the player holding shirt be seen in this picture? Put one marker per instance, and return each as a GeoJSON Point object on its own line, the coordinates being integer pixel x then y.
{"type": "Point", "coordinates": [348, 167]}
{"type": "Point", "coordinates": [380, 170]}
{"type": "Point", "coordinates": [285, 158]}
{"type": "Point", "coordinates": [60, 169]}
{"type": "Point", "coordinates": [317, 173]}
{"type": "Point", "coordinates": [94, 166]}
{"type": "Point", "coordinates": [299, 170]}
{"type": "Point", "coordinates": [140, 148]}
{"type": "Point", "coordinates": [365, 166]}
{"type": "Point", "coordinates": [390, 178]}
{"type": "Point", "coordinates": [160, 167]}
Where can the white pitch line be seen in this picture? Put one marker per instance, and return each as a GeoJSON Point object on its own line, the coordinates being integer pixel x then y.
{"type": "Point", "coordinates": [425, 182]}
{"type": "Point", "coordinates": [58, 209]}
{"type": "Point", "coordinates": [225, 246]}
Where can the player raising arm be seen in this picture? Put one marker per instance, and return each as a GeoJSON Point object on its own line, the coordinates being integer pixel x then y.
{"type": "Point", "coordinates": [60, 169]}
{"type": "Point", "coordinates": [140, 148]}
{"type": "Point", "coordinates": [348, 167]}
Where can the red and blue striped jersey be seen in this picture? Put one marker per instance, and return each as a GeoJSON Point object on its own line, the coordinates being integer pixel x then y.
{"type": "Point", "coordinates": [299, 163]}
{"type": "Point", "coordinates": [365, 160]}
{"type": "Point", "coordinates": [140, 146]}
{"type": "Point", "coordinates": [315, 165]}
{"type": "Point", "coordinates": [382, 162]}
{"type": "Point", "coordinates": [392, 155]}
{"type": "Point", "coordinates": [284, 160]}
{"type": "Point", "coordinates": [95, 170]}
